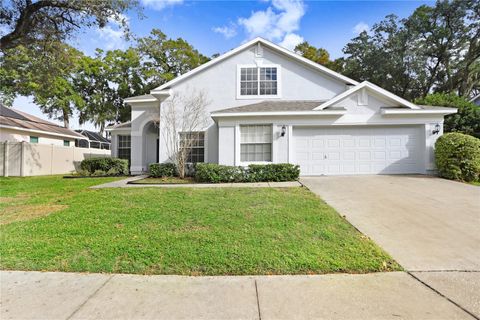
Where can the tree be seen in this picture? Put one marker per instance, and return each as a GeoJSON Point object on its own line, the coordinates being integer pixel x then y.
{"type": "Point", "coordinates": [183, 116]}
{"type": "Point", "coordinates": [318, 55]}
{"type": "Point", "coordinates": [467, 118]}
{"type": "Point", "coordinates": [46, 75]}
{"type": "Point", "coordinates": [436, 49]}
{"type": "Point", "coordinates": [104, 81]}
{"type": "Point", "coordinates": [43, 21]}
{"type": "Point", "coordinates": [165, 59]}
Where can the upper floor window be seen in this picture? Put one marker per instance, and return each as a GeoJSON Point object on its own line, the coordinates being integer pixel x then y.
{"type": "Point", "coordinates": [258, 81]}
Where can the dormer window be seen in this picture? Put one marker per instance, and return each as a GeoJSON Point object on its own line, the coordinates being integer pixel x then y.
{"type": "Point", "coordinates": [255, 82]}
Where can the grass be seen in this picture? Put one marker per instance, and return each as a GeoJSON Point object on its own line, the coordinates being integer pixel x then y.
{"type": "Point", "coordinates": [61, 225]}
{"type": "Point", "coordinates": [475, 183]}
{"type": "Point", "coordinates": [164, 180]}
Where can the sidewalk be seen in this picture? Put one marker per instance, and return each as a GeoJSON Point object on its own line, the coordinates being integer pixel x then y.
{"type": "Point", "coordinates": [56, 295]}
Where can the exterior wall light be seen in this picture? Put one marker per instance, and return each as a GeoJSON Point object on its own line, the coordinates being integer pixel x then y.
{"type": "Point", "coordinates": [284, 130]}
{"type": "Point", "coordinates": [437, 129]}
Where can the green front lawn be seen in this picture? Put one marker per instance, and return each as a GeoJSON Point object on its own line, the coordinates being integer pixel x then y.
{"type": "Point", "coordinates": [55, 224]}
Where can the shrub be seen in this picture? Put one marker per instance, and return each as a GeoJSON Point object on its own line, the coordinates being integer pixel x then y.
{"type": "Point", "coordinates": [214, 173]}
{"type": "Point", "coordinates": [107, 166]}
{"type": "Point", "coordinates": [163, 170]}
{"type": "Point", "coordinates": [272, 172]}
{"type": "Point", "coordinates": [457, 157]}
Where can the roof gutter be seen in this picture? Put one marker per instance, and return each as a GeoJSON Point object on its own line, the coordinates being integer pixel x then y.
{"type": "Point", "coordinates": [278, 113]}
{"type": "Point", "coordinates": [443, 111]}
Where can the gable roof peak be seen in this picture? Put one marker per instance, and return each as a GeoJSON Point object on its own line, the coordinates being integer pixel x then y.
{"type": "Point", "coordinates": [373, 87]}
{"type": "Point", "coordinates": [266, 43]}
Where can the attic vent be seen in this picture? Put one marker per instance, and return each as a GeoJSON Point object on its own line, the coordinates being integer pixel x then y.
{"type": "Point", "coordinates": [362, 97]}
{"type": "Point", "coordinates": [259, 51]}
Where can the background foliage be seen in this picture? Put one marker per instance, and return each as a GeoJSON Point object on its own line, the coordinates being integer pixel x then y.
{"type": "Point", "coordinates": [434, 50]}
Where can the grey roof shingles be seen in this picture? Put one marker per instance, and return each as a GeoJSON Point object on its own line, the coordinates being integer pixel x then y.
{"type": "Point", "coordinates": [15, 118]}
{"type": "Point", "coordinates": [275, 106]}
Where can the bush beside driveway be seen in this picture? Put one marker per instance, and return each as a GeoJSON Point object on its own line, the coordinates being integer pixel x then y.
{"type": "Point", "coordinates": [185, 231]}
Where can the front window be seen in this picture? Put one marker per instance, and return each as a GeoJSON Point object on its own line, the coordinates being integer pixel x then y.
{"type": "Point", "coordinates": [194, 145]}
{"type": "Point", "coordinates": [256, 81]}
{"type": "Point", "coordinates": [66, 143]}
{"type": "Point", "coordinates": [33, 139]}
{"type": "Point", "coordinates": [124, 143]}
{"type": "Point", "coordinates": [256, 143]}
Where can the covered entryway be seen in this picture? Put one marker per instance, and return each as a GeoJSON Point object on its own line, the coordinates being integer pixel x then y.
{"type": "Point", "coordinates": [359, 150]}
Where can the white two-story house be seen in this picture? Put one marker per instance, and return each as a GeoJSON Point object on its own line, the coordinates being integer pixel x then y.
{"type": "Point", "coordinates": [270, 105]}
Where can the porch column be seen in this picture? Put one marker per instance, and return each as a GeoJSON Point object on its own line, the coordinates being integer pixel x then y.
{"type": "Point", "coordinates": [136, 154]}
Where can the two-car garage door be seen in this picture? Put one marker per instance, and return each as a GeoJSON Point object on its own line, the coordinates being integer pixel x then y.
{"type": "Point", "coordinates": [359, 150]}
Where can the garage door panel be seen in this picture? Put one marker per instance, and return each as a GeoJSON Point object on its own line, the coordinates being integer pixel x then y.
{"type": "Point", "coordinates": [356, 150]}
{"type": "Point", "coordinates": [348, 155]}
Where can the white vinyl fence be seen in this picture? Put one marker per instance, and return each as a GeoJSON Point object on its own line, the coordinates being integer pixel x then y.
{"type": "Point", "coordinates": [27, 159]}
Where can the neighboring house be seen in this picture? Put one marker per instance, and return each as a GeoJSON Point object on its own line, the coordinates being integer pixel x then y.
{"type": "Point", "coordinates": [92, 140]}
{"type": "Point", "coordinates": [476, 100]}
{"type": "Point", "coordinates": [19, 126]}
{"type": "Point", "coordinates": [30, 146]}
{"type": "Point", "coordinates": [270, 105]}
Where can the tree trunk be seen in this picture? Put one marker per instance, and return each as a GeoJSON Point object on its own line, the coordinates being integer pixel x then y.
{"type": "Point", "coordinates": [66, 119]}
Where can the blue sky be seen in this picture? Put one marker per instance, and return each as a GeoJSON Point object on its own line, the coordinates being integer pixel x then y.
{"type": "Point", "coordinates": [218, 26]}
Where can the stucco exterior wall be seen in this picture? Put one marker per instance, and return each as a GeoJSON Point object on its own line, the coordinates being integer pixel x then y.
{"type": "Point", "coordinates": [296, 81]}
{"type": "Point", "coordinates": [15, 135]}
{"type": "Point", "coordinates": [143, 114]}
{"type": "Point", "coordinates": [219, 83]}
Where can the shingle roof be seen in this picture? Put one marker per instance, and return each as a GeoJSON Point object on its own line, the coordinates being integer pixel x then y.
{"type": "Point", "coordinates": [15, 118]}
{"type": "Point", "coordinates": [272, 106]}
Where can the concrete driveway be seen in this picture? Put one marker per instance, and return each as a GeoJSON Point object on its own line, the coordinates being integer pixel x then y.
{"type": "Point", "coordinates": [431, 226]}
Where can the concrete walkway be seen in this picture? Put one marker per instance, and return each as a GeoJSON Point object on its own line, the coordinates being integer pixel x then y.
{"type": "Point", "coordinates": [125, 184]}
{"type": "Point", "coordinates": [56, 295]}
{"type": "Point", "coordinates": [431, 226]}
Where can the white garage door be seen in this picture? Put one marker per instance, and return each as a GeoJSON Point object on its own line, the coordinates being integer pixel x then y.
{"type": "Point", "coordinates": [359, 150]}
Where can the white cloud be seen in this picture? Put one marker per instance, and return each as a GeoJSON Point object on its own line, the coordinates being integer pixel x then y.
{"type": "Point", "coordinates": [113, 35]}
{"type": "Point", "coordinates": [360, 27]}
{"type": "Point", "coordinates": [291, 40]}
{"type": "Point", "coordinates": [112, 38]}
{"type": "Point", "coordinates": [160, 4]}
{"type": "Point", "coordinates": [227, 31]}
{"type": "Point", "coordinates": [277, 23]}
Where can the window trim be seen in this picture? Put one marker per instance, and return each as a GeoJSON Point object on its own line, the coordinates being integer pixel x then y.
{"type": "Point", "coordinates": [258, 96]}
{"type": "Point", "coordinates": [196, 147]}
{"type": "Point", "coordinates": [238, 154]}
{"type": "Point", "coordinates": [123, 148]}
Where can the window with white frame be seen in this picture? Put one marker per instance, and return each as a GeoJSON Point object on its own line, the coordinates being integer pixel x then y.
{"type": "Point", "coordinates": [258, 81]}
{"type": "Point", "coordinates": [256, 143]}
{"type": "Point", "coordinates": [124, 146]}
{"type": "Point", "coordinates": [194, 142]}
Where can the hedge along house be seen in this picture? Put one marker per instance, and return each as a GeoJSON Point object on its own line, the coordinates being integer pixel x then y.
{"type": "Point", "coordinates": [270, 105]}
